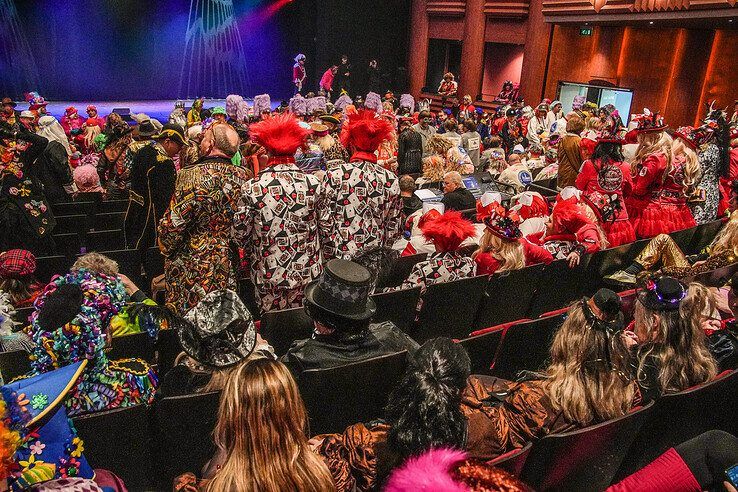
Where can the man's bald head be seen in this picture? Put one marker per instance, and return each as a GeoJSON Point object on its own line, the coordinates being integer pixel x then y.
{"type": "Point", "coordinates": [221, 140]}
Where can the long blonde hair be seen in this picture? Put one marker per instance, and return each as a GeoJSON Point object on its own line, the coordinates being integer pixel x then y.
{"type": "Point", "coordinates": [727, 239]}
{"type": "Point", "coordinates": [678, 346]}
{"type": "Point", "coordinates": [692, 169]}
{"type": "Point", "coordinates": [262, 429]}
{"type": "Point", "coordinates": [587, 379]}
{"type": "Point", "coordinates": [652, 143]}
{"type": "Point", "coordinates": [510, 253]}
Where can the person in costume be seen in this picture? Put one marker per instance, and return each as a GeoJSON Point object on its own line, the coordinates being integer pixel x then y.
{"type": "Point", "coordinates": [178, 116]}
{"type": "Point", "coordinates": [361, 207]}
{"type": "Point", "coordinates": [713, 139]}
{"type": "Point", "coordinates": [70, 324]}
{"type": "Point", "coordinates": [503, 247]}
{"type": "Point", "coordinates": [604, 179]}
{"type": "Point", "coordinates": [73, 126]}
{"type": "Point", "coordinates": [661, 184]}
{"type": "Point", "coordinates": [277, 219]}
{"type": "Point", "coordinates": [93, 115]}
{"type": "Point", "coordinates": [533, 211]}
{"type": "Point", "coordinates": [326, 81]}
{"type": "Point", "coordinates": [52, 167]}
{"type": "Point", "coordinates": [298, 73]}
{"type": "Point", "coordinates": [11, 340]}
{"type": "Point", "coordinates": [537, 127]}
{"type": "Point", "coordinates": [153, 178]}
{"type": "Point", "coordinates": [193, 116]}
{"type": "Point", "coordinates": [111, 146]}
{"type": "Point", "coordinates": [195, 234]}
{"type": "Point", "coordinates": [91, 130]}
{"type": "Point", "coordinates": [508, 93]}
{"type": "Point", "coordinates": [17, 279]}
{"type": "Point", "coordinates": [26, 219]}
{"type": "Point", "coordinates": [663, 250]}
{"type": "Point", "coordinates": [512, 132]}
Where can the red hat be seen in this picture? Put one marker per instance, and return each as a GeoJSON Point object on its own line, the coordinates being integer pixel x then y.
{"type": "Point", "coordinates": [687, 135]}
{"type": "Point", "coordinates": [91, 107]}
{"type": "Point", "coordinates": [17, 263]}
{"type": "Point", "coordinates": [281, 135]}
{"type": "Point", "coordinates": [448, 231]}
{"type": "Point", "coordinates": [588, 144]}
{"type": "Point", "coordinates": [632, 136]}
{"type": "Point", "coordinates": [70, 111]}
{"type": "Point", "coordinates": [503, 223]}
{"type": "Point", "coordinates": [649, 122]}
{"type": "Point", "coordinates": [530, 204]}
{"type": "Point", "coordinates": [568, 217]}
{"type": "Point", "coordinates": [364, 131]}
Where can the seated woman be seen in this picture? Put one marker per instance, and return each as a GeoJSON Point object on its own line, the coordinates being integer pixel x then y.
{"type": "Point", "coordinates": [70, 324]}
{"type": "Point", "coordinates": [672, 353]}
{"type": "Point", "coordinates": [423, 412]}
{"type": "Point", "coordinates": [11, 340]}
{"type": "Point", "coordinates": [216, 335]}
{"type": "Point", "coordinates": [662, 253]}
{"type": "Point", "coordinates": [503, 247]}
{"type": "Point", "coordinates": [17, 268]}
{"type": "Point", "coordinates": [445, 157]}
{"type": "Point", "coordinates": [261, 436]}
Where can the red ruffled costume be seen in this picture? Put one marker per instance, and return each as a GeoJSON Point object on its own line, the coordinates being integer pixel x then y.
{"type": "Point", "coordinates": [667, 209]}
{"type": "Point", "coordinates": [571, 231]}
{"type": "Point", "coordinates": [604, 187]}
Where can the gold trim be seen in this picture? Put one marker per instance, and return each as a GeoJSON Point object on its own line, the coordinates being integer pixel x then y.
{"type": "Point", "coordinates": [61, 395]}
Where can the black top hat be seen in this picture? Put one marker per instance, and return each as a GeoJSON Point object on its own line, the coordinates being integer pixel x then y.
{"type": "Point", "coordinates": [146, 129]}
{"type": "Point", "coordinates": [172, 132]}
{"type": "Point", "coordinates": [603, 311]}
{"type": "Point", "coordinates": [343, 291]}
{"type": "Point", "coordinates": [662, 294]}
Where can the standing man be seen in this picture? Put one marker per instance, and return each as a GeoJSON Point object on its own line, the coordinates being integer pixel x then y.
{"type": "Point", "coordinates": [298, 73]}
{"type": "Point", "coordinates": [344, 75]}
{"type": "Point", "coordinates": [373, 77]}
{"type": "Point", "coordinates": [277, 220]}
{"type": "Point", "coordinates": [362, 208]}
{"type": "Point", "coordinates": [92, 115]}
{"type": "Point", "coordinates": [471, 141]}
{"type": "Point", "coordinates": [153, 178]}
{"type": "Point", "coordinates": [326, 81]}
{"type": "Point", "coordinates": [195, 234]}
{"type": "Point", "coordinates": [512, 132]}
{"type": "Point", "coordinates": [424, 128]}
{"type": "Point", "coordinates": [409, 149]}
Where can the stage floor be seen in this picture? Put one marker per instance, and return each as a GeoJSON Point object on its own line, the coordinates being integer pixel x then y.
{"type": "Point", "coordinates": [155, 109]}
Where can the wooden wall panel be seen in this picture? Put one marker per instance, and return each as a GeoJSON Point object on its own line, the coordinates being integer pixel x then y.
{"type": "Point", "coordinates": [446, 28]}
{"type": "Point", "coordinates": [504, 31]}
{"type": "Point", "coordinates": [506, 8]}
{"type": "Point", "coordinates": [446, 7]}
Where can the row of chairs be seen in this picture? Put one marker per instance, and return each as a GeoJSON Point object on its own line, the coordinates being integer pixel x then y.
{"type": "Point", "coordinates": [89, 207]}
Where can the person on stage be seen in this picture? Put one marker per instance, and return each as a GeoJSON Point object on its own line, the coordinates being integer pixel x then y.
{"type": "Point", "coordinates": [298, 73]}
{"type": "Point", "coordinates": [326, 81]}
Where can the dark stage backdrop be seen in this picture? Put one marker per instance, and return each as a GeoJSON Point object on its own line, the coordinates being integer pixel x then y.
{"type": "Point", "coordinates": [137, 50]}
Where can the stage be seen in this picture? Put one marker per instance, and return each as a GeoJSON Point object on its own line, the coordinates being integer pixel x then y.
{"type": "Point", "coordinates": [158, 109]}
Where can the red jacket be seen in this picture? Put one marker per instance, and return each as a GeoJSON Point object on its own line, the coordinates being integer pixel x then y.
{"type": "Point", "coordinates": [650, 180]}
{"type": "Point", "coordinates": [667, 473]}
{"type": "Point", "coordinates": [534, 254]}
{"type": "Point", "coordinates": [598, 184]}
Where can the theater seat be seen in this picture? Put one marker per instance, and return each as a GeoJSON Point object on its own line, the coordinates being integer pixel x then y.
{"type": "Point", "coordinates": [513, 461]}
{"type": "Point", "coordinates": [498, 306]}
{"type": "Point", "coordinates": [401, 269]}
{"type": "Point", "coordinates": [48, 266]}
{"type": "Point", "coordinates": [557, 286]}
{"type": "Point", "coordinates": [398, 307]}
{"type": "Point", "coordinates": [120, 441]}
{"type": "Point", "coordinates": [585, 459]}
{"type": "Point", "coordinates": [136, 345]}
{"type": "Point", "coordinates": [482, 349]}
{"type": "Point", "coordinates": [167, 349]}
{"type": "Point", "coordinates": [105, 240]}
{"type": "Point", "coordinates": [281, 328]}
{"type": "Point", "coordinates": [14, 364]}
{"type": "Point", "coordinates": [341, 396]}
{"type": "Point", "coordinates": [183, 435]}
{"type": "Point", "coordinates": [704, 234]}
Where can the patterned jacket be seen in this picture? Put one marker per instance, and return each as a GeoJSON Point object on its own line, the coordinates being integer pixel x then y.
{"type": "Point", "coordinates": [277, 224]}
{"type": "Point", "coordinates": [362, 209]}
{"type": "Point", "coordinates": [440, 267]}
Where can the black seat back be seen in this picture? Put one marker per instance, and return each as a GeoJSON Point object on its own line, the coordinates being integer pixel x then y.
{"type": "Point", "coordinates": [281, 328]}
{"type": "Point", "coordinates": [331, 395]}
{"type": "Point", "coordinates": [69, 245]}
{"type": "Point", "coordinates": [168, 348]}
{"type": "Point", "coordinates": [605, 262]}
{"type": "Point", "coordinates": [71, 208]}
{"type": "Point", "coordinates": [48, 266]}
{"type": "Point", "coordinates": [66, 224]}
{"type": "Point", "coordinates": [704, 234]}
{"type": "Point", "coordinates": [120, 441]}
{"type": "Point", "coordinates": [106, 221]}
{"type": "Point", "coordinates": [21, 316]}
{"type": "Point", "coordinates": [401, 269]}
{"type": "Point", "coordinates": [513, 461]}
{"type": "Point", "coordinates": [718, 277]}
{"type": "Point", "coordinates": [525, 346]}
{"type": "Point", "coordinates": [136, 345]}
{"type": "Point", "coordinates": [507, 297]}
{"type": "Point", "coordinates": [153, 263]}
{"type": "Point", "coordinates": [585, 459]}
{"type": "Point", "coordinates": [449, 309]}
{"type": "Point", "coordinates": [482, 350]}
{"type": "Point", "coordinates": [184, 434]}
{"type": "Point", "coordinates": [558, 286]}
{"type": "Point", "coordinates": [112, 206]}
{"type": "Point", "coordinates": [104, 240]}
{"type": "Point", "coordinates": [14, 364]}
{"type": "Point", "coordinates": [397, 306]}
{"type": "Point", "coordinates": [683, 239]}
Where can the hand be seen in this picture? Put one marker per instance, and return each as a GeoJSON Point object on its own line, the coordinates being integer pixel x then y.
{"type": "Point", "coordinates": [630, 339]}
{"type": "Point", "coordinates": [710, 324]}
{"type": "Point", "coordinates": [315, 443]}
{"type": "Point", "coordinates": [157, 285]}
{"type": "Point", "coordinates": [128, 284]}
{"type": "Point", "coordinates": [699, 263]}
{"type": "Point", "coordinates": [573, 259]}
{"type": "Point", "coordinates": [186, 482]}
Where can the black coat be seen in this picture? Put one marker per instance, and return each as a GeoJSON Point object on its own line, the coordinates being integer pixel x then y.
{"type": "Point", "coordinates": [325, 351]}
{"type": "Point", "coordinates": [54, 172]}
{"type": "Point", "coordinates": [459, 199]}
{"type": "Point", "coordinates": [409, 152]}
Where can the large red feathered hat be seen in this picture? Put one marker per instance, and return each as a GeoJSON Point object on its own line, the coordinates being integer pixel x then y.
{"type": "Point", "coordinates": [530, 204]}
{"type": "Point", "coordinates": [568, 217]}
{"type": "Point", "coordinates": [281, 135]}
{"type": "Point", "coordinates": [448, 231]}
{"type": "Point", "coordinates": [364, 131]}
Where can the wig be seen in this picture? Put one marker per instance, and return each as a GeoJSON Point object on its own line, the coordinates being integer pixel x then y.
{"type": "Point", "coordinates": [448, 231]}
{"type": "Point", "coordinates": [365, 131]}
{"type": "Point", "coordinates": [281, 135]}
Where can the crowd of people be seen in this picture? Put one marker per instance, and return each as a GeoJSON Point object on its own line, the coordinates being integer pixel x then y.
{"type": "Point", "coordinates": [312, 202]}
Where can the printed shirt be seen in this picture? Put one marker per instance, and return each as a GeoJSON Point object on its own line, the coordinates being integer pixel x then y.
{"type": "Point", "coordinates": [362, 209]}
{"type": "Point", "coordinates": [604, 186]}
{"type": "Point", "coordinates": [277, 223]}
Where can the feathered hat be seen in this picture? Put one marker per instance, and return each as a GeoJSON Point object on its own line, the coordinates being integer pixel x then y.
{"type": "Point", "coordinates": [298, 105]}
{"type": "Point", "coordinates": [343, 101]}
{"type": "Point", "coordinates": [503, 223]}
{"type": "Point", "coordinates": [281, 135]}
{"type": "Point", "coordinates": [315, 105]}
{"type": "Point", "coordinates": [6, 314]}
{"type": "Point", "coordinates": [407, 101]}
{"type": "Point", "coordinates": [530, 204]}
{"type": "Point", "coordinates": [649, 122]}
{"type": "Point", "coordinates": [231, 105]}
{"type": "Point", "coordinates": [578, 102]}
{"type": "Point", "coordinates": [364, 131]}
{"type": "Point", "coordinates": [566, 216]}
{"type": "Point", "coordinates": [448, 231]}
{"type": "Point", "coordinates": [687, 135]}
{"type": "Point", "coordinates": [262, 104]}
{"type": "Point", "coordinates": [424, 105]}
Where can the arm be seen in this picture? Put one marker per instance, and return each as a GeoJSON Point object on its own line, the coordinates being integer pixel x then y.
{"type": "Point", "coordinates": [182, 211]}
{"type": "Point", "coordinates": [535, 254]}
{"type": "Point", "coordinates": [36, 148]}
{"type": "Point", "coordinates": [393, 214]}
{"type": "Point", "coordinates": [585, 176]}
{"type": "Point", "coordinates": [243, 220]}
{"type": "Point", "coordinates": [647, 176]}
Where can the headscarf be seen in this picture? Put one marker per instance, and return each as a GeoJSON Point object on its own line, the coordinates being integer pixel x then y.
{"type": "Point", "coordinates": [51, 130]}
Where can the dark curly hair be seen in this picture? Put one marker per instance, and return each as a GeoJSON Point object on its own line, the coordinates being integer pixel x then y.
{"type": "Point", "coordinates": [424, 409]}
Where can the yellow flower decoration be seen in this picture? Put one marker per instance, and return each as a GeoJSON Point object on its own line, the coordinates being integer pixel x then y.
{"type": "Point", "coordinates": [27, 465]}
{"type": "Point", "coordinates": [78, 447]}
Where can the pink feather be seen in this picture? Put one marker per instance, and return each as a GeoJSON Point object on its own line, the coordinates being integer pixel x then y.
{"type": "Point", "coordinates": [428, 472]}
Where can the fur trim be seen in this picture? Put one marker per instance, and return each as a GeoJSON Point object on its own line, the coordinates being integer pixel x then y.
{"type": "Point", "coordinates": [342, 102]}
{"type": "Point", "coordinates": [568, 217]}
{"type": "Point", "coordinates": [6, 314]}
{"type": "Point", "coordinates": [429, 472]}
{"type": "Point", "coordinates": [281, 135]}
{"type": "Point", "coordinates": [298, 105]}
{"type": "Point", "coordinates": [373, 102]}
{"type": "Point", "coordinates": [315, 104]}
{"type": "Point", "coordinates": [231, 105]}
{"type": "Point", "coordinates": [448, 231]}
{"type": "Point", "coordinates": [262, 103]}
{"type": "Point", "coordinates": [365, 131]}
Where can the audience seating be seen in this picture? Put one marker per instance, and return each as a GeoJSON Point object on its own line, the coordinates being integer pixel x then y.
{"type": "Point", "coordinates": [585, 459]}
{"type": "Point", "coordinates": [449, 308]}
{"type": "Point", "coordinates": [684, 239]}
{"type": "Point", "coordinates": [513, 461]}
{"type": "Point", "coordinates": [558, 286]}
{"type": "Point", "coordinates": [112, 206]}
{"type": "Point", "coordinates": [401, 269]}
{"type": "Point", "coordinates": [167, 347]}
{"type": "Point", "coordinates": [184, 435]}
{"type": "Point", "coordinates": [281, 328]}
{"type": "Point", "coordinates": [525, 346]}
{"type": "Point", "coordinates": [71, 208]}
{"type": "Point", "coordinates": [507, 297]}
{"type": "Point", "coordinates": [338, 397]}
{"type": "Point", "coordinates": [681, 416]}
{"type": "Point", "coordinates": [136, 345]}
{"type": "Point", "coordinates": [482, 349]}
{"type": "Point", "coordinates": [120, 440]}
{"type": "Point", "coordinates": [106, 221]}
{"type": "Point", "coordinates": [70, 245]}
{"type": "Point", "coordinates": [397, 306]}
{"type": "Point", "coordinates": [14, 364]}
{"type": "Point", "coordinates": [153, 263]}
{"type": "Point", "coordinates": [129, 264]}
{"type": "Point", "coordinates": [717, 277]}
{"type": "Point", "coordinates": [66, 224]}
{"type": "Point", "coordinates": [48, 266]}
{"type": "Point", "coordinates": [104, 240]}
{"type": "Point", "coordinates": [704, 235]}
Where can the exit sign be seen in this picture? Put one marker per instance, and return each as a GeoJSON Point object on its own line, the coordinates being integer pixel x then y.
{"type": "Point", "coordinates": [585, 31]}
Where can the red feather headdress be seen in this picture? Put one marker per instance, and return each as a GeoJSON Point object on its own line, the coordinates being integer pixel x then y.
{"type": "Point", "coordinates": [448, 231]}
{"type": "Point", "coordinates": [281, 135]}
{"type": "Point", "coordinates": [364, 131]}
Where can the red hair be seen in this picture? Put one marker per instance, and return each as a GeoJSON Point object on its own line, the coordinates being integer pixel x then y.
{"type": "Point", "coordinates": [568, 217]}
{"type": "Point", "coordinates": [448, 231]}
{"type": "Point", "coordinates": [365, 131]}
{"type": "Point", "coordinates": [281, 135]}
